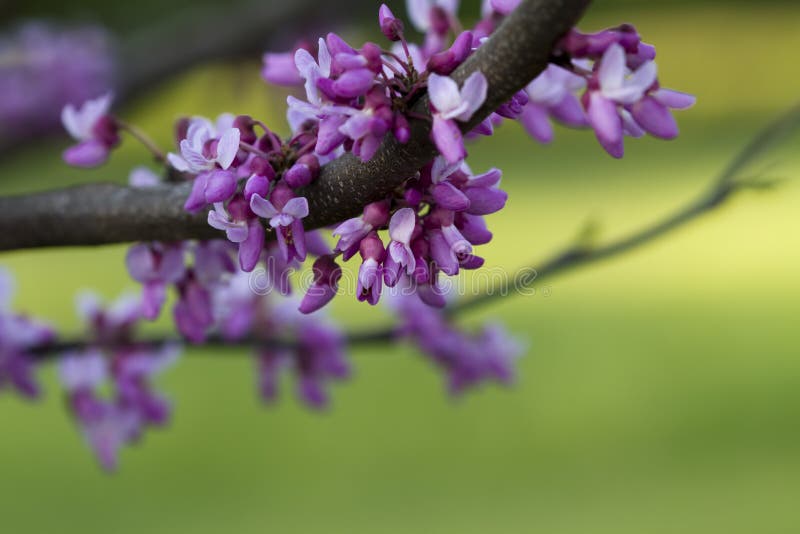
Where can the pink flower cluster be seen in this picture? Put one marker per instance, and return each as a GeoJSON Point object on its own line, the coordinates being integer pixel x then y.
{"type": "Point", "coordinates": [251, 184]}
{"type": "Point", "coordinates": [115, 361]}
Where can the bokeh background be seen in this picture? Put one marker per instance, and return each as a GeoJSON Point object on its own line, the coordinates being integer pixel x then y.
{"type": "Point", "coordinates": [660, 392]}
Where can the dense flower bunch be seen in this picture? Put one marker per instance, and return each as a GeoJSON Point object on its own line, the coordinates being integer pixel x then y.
{"type": "Point", "coordinates": [113, 360]}
{"type": "Point", "coordinates": [252, 183]}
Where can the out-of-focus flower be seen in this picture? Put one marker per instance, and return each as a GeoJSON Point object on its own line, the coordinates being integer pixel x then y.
{"type": "Point", "coordinates": [43, 68]}
{"type": "Point", "coordinates": [95, 130]}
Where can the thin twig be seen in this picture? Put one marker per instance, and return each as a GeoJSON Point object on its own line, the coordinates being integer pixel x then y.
{"type": "Point", "coordinates": [722, 189]}
{"type": "Point", "coordinates": [144, 139]}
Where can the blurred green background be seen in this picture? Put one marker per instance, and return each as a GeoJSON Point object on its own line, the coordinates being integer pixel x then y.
{"type": "Point", "coordinates": [661, 392]}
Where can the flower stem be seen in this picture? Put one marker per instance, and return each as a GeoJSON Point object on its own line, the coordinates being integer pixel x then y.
{"type": "Point", "coordinates": [144, 139]}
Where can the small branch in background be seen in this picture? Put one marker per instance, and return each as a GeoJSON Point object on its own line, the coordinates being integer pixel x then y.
{"type": "Point", "coordinates": [724, 188]}
{"type": "Point", "coordinates": [144, 139]}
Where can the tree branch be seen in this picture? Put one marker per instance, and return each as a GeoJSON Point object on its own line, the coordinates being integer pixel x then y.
{"type": "Point", "coordinates": [101, 214]}
{"type": "Point", "coordinates": [725, 187]}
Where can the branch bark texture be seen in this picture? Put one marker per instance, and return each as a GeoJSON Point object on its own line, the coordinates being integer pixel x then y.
{"type": "Point", "coordinates": [102, 214]}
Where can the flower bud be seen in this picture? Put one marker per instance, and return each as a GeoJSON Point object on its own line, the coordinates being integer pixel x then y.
{"type": "Point", "coordinates": [391, 27]}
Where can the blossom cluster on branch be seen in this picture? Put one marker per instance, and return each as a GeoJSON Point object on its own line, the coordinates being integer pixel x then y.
{"type": "Point", "coordinates": [250, 182]}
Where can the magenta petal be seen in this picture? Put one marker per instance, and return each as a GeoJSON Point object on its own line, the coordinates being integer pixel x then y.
{"type": "Point", "coordinates": [262, 207]}
{"type": "Point", "coordinates": [283, 246]}
{"type": "Point", "coordinates": [228, 147]}
{"type": "Point", "coordinates": [606, 122]}
{"type": "Point", "coordinates": [250, 249]}
{"type": "Point", "coordinates": [450, 197]}
{"type": "Point", "coordinates": [473, 228]}
{"type": "Point", "coordinates": [220, 186]}
{"type": "Point", "coordinates": [197, 198]}
{"type": "Point", "coordinates": [330, 136]}
{"type": "Point", "coordinates": [488, 179]}
{"type": "Point", "coordinates": [536, 122]}
{"type": "Point", "coordinates": [674, 99]}
{"type": "Point", "coordinates": [448, 139]}
{"type": "Point", "coordinates": [368, 145]}
{"type": "Point", "coordinates": [504, 7]}
{"type": "Point", "coordinates": [256, 185]}
{"type": "Point", "coordinates": [402, 224]}
{"type": "Point", "coordinates": [432, 295]}
{"type": "Point", "coordinates": [153, 296]}
{"type": "Point", "coordinates": [87, 154]}
{"type": "Point", "coordinates": [655, 118]}
{"type": "Point", "coordinates": [280, 69]}
{"type": "Point", "coordinates": [442, 254]}
{"type": "Point", "coordinates": [296, 207]}
{"type": "Point", "coordinates": [311, 392]}
{"type": "Point", "coordinates": [472, 262]}
{"type": "Point", "coordinates": [316, 245]}
{"type": "Point", "coordinates": [353, 83]}
{"type": "Point", "coordinates": [140, 262]}
{"type": "Point", "coordinates": [299, 239]}
{"type": "Point", "coordinates": [569, 112]}
{"type": "Point", "coordinates": [484, 201]}
{"type": "Point", "coordinates": [391, 272]}
{"type": "Point", "coordinates": [317, 296]}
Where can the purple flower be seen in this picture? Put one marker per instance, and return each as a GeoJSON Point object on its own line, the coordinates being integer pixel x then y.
{"type": "Point", "coordinates": [401, 228]}
{"type": "Point", "coordinates": [114, 323]}
{"type": "Point", "coordinates": [350, 233]}
{"type": "Point", "coordinates": [449, 248]}
{"type": "Point", "coordinates": [202, 149]}
{"type": "Point", "coordinates": [501, 7]}
{"type": "Point", "coordinates": [610, 88]}
{"type": "Point", "coordinates": [367, 127]}
{"type": "Point", "coordinates": [317, 358]}
{"type": "Point", "coordinates": [155, 265]}
{"type": "Point", "coordinates": [432, 15]}
{"type": "Point", "coordinates": [466, 360]}
{"type": "Point", "coordinates": [652, 112]}
{"type": "Point", "coordinates": [326, 281]}
{"type": "Point", "coordinates": [484, 196]}
{"type": "Point", "coordinates": [18, 335]}
{"type": "Point", "coordinates": [45, 67]}
{"type": "Point", "coordinates": [391, 27]}
{"type": "Point", "coordinates": [235, 306]}
{"type": "Point", "coordinates": [107, 433]}
{"type": "Point", "coordinates": [370, 275]}
{"type": "Point", "coordinates": [219, 218]}
{"type": "Point", "coordinates": [133, 373]}
{"type": "Point", "coordinates": [446, 62]}
{"type": "Point", "coordinates": [280, 69]}
{"type": "Point", "coordinates": [449, 104]}
{"type": "Point", "coordinates": [83, 371]}
{"type": "Point", "coordinates": [95, 130]}
{"type": "Point", "coordinates": [552, 94]}
{"type": "Point", "coordinates": [193, 313]}
{"type": "Point", "coordinates": [243, 229]}
{"type": "Point", "coordinates": [312, 70]}
{"type": "Point", "coordinates": [286, 216]}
